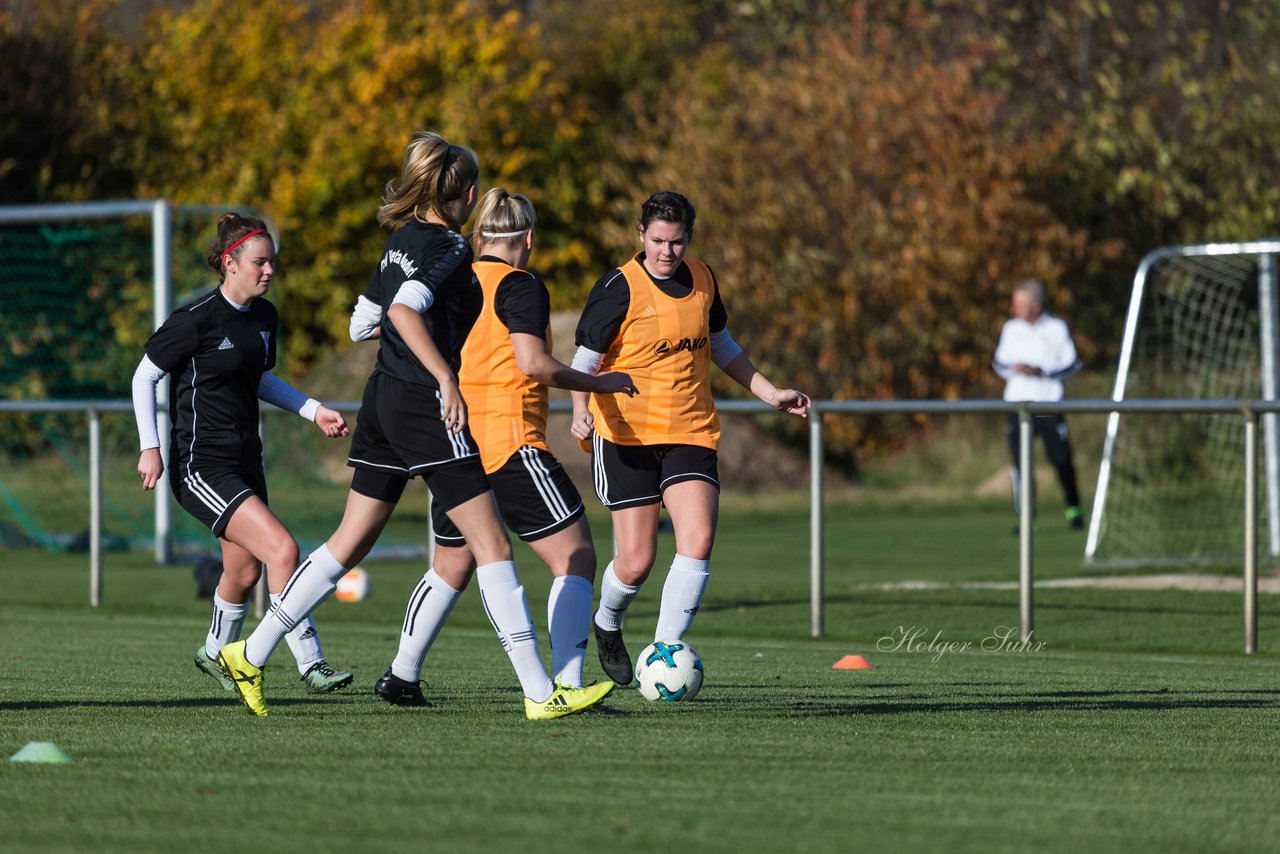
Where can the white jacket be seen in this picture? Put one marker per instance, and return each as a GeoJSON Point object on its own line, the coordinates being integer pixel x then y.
{"type": "Point", "coordinates": [1045, 344]}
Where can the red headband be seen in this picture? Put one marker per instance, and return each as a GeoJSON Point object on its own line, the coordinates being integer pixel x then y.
{"type": "Point", "coordinates": [253, 233]}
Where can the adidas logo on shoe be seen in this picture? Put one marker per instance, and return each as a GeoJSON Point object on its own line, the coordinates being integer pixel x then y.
{"type": "Point", "coordinates": [226, 344]}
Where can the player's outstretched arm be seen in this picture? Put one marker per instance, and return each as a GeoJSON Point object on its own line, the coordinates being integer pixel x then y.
{"type": "Point", "coordinates": [747, 375]}
{"type": "Point", "coordinates": [533, 360]}
{"type": "Point", "coordinates": [279, 393]}
{"type": "Point", "coordinates": [331, 422]}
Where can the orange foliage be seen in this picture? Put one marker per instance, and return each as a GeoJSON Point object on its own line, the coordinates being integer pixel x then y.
{"type": "Point", "coordinates": [866, 215]}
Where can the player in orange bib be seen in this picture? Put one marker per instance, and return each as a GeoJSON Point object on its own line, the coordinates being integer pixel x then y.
{"type": "Point", "coordinates": [506, 369]}
{"type": "Point", "coordinates": [660, 319]}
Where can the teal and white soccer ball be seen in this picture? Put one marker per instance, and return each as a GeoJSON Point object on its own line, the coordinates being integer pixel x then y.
{"type": "Point", "coordinates": [668, 671]}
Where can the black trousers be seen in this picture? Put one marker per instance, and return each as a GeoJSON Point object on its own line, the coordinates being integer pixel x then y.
{"type": "Point", "coordinates": [1052, 429]}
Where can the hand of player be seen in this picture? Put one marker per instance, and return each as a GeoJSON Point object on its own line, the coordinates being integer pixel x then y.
{"type": "Point", "coordinates": [453, 409]}
{"type": "Point", "coordinates": [615, 382]}
{"type": "Point", "coordinates": [792, 401]}
{"type": "Point", "coordinates": [583, 425]}
{"type": "Point", "coordinates": [150, 467]}
{"type": "Point", "coordinates": [331, 422]}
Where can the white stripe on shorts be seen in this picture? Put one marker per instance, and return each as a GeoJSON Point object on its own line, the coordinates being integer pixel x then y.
{"type": "Point", "coordinates": [597, 466]}
{"type": "Point", "coordinates": [205, 494]}
{"type": "Point", "coordinates": [542, 481]}
{"type": "Point", "coordinates": [457, 440]}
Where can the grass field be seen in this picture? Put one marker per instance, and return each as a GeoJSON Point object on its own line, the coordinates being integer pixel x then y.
{"type": "Point", "coordinates": [1138, 725]}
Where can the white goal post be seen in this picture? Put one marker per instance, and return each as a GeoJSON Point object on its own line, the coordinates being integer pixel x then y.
{"type": "Point", "coordinates": [161, 214]}
{"type": "Point", "coordinates": [1203, 322]}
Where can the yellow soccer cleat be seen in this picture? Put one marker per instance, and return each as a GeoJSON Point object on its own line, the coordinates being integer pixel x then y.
{"type": "Point", "coordinates": [567, 701]}
{"type": "Point", "coordinates": [246, 677]}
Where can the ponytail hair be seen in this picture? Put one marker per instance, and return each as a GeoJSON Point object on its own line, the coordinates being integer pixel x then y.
{"type": "Point", "coordinates": [667, 206]}
{"type": "Point", "coordinates": [502, 218]}
{"type": "Point", "coordinates": [435, 179]}
{"type": "Point", "coordinates": [234, 231]}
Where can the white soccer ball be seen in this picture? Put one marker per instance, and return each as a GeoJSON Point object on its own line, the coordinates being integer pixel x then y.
{"type": "Point", "coordinates": [355, 586]}
{"type": "Point", "coordinates": [668, 671]}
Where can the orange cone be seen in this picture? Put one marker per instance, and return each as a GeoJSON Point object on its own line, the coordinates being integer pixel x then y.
{"type": "Point", "coordinates": [853, 662]}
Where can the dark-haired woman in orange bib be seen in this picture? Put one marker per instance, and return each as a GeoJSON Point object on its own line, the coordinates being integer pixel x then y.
{"type": "Point", "coordinates": [659, 318]}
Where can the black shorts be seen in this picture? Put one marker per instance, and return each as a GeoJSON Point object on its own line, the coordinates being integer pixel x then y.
{"type": "Point", "coordinates": [399, 431]}
{"type": "Point", "coordinates": [535, 497]}
{"type": "Point", "coordinates": [211, 492]}
{"type": "Point", "coordinates": [635, 475]}
{"type": "Point", "coordinates": [450, 485]}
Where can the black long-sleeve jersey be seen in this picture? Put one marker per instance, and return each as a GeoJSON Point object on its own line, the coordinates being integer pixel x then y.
{"type": "Point", "coordinates": [438, 258]}
{"type": "Point", "coordinates": [215, 355]}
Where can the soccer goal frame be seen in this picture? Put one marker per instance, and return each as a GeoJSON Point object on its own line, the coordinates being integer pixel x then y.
{"type": "Point", "coordinates": [1264, 253]}
{"type": "Point", "coordinates": [161, 214]}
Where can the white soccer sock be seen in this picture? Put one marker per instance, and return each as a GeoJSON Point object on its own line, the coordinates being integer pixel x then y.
{"type": "Point", "coordinates": [303, 641]}
{"type": "Point", "coordinates": [508, 609]}
{"type": "Point", "coordinates": [424, 616]}
{"type": "Point", "coordinates": [569, 623]}
{"type": "Point", "coordinates": [313, 580]}
{"type": "Point", "coordinates": [681, 596]}
{"type": "Point", "coordinates": [224, 627]}
{"type": "Point", "coordinates": [615, 599]}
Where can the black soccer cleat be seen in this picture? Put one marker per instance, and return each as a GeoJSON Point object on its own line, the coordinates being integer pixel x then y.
{"type": "Point", "coordinates": [614, 658]}
{"type": "Point", "coordinates": [398, 692]}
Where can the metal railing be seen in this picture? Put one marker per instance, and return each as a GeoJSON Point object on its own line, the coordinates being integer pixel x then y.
{"type": "Point", "coordinates": [1249, 410]}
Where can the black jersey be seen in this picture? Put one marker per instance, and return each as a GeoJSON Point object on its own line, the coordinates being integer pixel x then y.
{"type": "Point", "coordinates": [610, 298]}
{"type": "Point", "coordinates": [522, 302]}
{"type": "Point", "coordinates": [215, 355]}
{"type": "Point", "coordinates": [439, 259]}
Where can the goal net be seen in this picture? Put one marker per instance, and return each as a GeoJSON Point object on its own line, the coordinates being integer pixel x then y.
{"type": "Point", "coordinates": [1202, 324]}
{"type": "Point", "coordinates": [79, 286]}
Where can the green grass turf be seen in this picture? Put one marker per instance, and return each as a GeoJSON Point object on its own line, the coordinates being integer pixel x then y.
{"type": "Point", "coordinates": [1138, 726]}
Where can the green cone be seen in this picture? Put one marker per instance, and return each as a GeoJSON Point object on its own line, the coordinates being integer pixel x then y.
{"type": "Point", "coordinates": [41, 751]}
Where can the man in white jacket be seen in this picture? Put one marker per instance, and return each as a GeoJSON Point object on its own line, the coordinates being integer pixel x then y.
{"type": "Point", "coordinates": [1034, 356]}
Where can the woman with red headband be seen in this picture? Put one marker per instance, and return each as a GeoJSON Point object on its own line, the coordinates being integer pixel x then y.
{"type": "Point", "coordinates": [220, 351]}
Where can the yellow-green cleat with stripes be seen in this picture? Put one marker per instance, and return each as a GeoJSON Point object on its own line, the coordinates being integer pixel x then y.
{"type": "Point", "coordinates": [567, 701]}
{"type": "Point", "coordinates": [246, 678]}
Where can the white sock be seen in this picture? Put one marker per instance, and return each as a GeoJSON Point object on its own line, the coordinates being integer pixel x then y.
{"type": "Point", "coordinates": [303, 641]}
{"type": "Point", "coordinates": [615, 599]}
{"type": "Point", "coordinates": [681, 597]}
{"type": "Point", "coordinates": [424, 616]}
{"type": "Point", "coordinates": [569, 623]}
{"type": "Point", "coordinates": [225, 625]}
{"type": "Point", "coordinates": [313, 580]}
{"type": "Point", "coordinates": [508, 609]}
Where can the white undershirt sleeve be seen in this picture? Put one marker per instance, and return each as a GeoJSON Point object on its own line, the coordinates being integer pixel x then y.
{"type": "Point", "coordinates": [415, 295]}
{"type": "Point", "coordinates": [723, 348]}
{"type": "Point", "coordinates": [279, 393]}
{"type": "Point", "coordinates": [587, 361]}
{"type": "Point", "coordinates": [145, 380]}
{"type": "Point", "coordinates": [365, 318]}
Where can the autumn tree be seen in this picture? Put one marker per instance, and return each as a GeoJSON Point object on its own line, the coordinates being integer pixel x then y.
{"type": "Point", "coordinates": [864, 209]}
